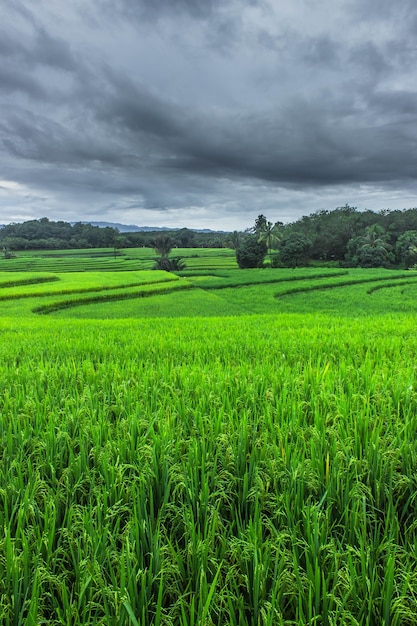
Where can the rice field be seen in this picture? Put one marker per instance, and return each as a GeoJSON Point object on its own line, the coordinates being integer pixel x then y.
{"type": "Point", "coordinates": [232, 448]}
{"type": "Point", "coordinates": [108, 259]}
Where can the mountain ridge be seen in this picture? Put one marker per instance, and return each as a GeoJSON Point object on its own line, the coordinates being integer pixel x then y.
{"type": "Point", "coordinates": [133, 228]}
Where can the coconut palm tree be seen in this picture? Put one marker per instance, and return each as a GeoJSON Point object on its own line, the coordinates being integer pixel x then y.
{"type": "Point", "coordinates": [373, 248]}
{"type": "Point", "coordinates": [268, 232]}
{"type": "Point", "coordinates": [234, 240]}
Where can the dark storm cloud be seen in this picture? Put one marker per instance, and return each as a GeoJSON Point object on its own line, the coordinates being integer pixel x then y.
{"type": "Point", "coordinates": [370, 62]}
{"type": "Point", "coordinates": [400, 105]}
{"type": "Point", "coordinates": [49, 50]}
{"type": "Point", "coordinates": [156, 9]}
{"type": "Point", "coordinates": [37, 138]}
{"type": "Point", "coordinates": [300, 149]}
{"type": "Point", "coordinates": [14, 80]}
{"type": "Point", "coordinates": [322, 51]}
{"type": "Point", "coordinates": [24, 58]}
{"type": "Point", "coordinates": [376, 11]}
{"type": "Point", "coordinates": [9, 45]}
{"type": "Point", "coordinates": [134, 109]}
{"type": "Point", "coordinates": [37, 48]}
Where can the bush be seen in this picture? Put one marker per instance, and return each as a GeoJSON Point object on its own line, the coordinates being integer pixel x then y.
{"type": "Point", "coordinates": [295, 250]}
{"type": "Point", "coordinates": [251, 253]}
{"type": "Point", "coordinates": [175, 264]}
{"type": "Point", "coordinates": [8, 254]}
{"type": "Point", "coordinates": [276, 261]}
{"type": "Point", "coordinates": [406, 248]}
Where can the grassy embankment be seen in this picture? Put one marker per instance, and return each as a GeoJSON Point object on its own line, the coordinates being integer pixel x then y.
{"type": "Point", "coordinates": [256, 469]}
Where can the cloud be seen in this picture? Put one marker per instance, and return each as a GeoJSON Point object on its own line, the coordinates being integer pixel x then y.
{"type": "Point", "coordinates": [217, 108]}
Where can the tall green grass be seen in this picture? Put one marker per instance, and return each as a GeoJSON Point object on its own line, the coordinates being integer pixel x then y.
{"type": "Point", "coordinates": [121, 294]}
{"type": "Point", "coordinates": [107, 259]}
{"type": "Point", "coordinates": [243, 471]}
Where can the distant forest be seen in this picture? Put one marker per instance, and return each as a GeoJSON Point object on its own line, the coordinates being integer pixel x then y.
{"type": "Point", "coordinates": [344, 235]}
{"type": "Point", "coordinates": [44, 234]}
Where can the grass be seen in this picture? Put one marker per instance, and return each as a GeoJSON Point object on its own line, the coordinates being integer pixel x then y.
{"type": "Point", "coordinates": [219, 293]}
{"type": "Point", "coordinates": [157, 468]}
{"type": "Point", "coordinates": [256, 467]}
{"type": "Point", "coordinates": [106, 259]}
{"type": "Point", "coordinates": [168, 304]}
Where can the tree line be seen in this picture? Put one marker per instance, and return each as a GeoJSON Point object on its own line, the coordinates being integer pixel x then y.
{"type": "Point", "coordinates": [345, 236]}
{"type": "Point", "coordinates": [45, 234]}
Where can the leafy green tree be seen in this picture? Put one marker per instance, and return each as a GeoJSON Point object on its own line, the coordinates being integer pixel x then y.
{"type": "Point", "coordinates": [271, 235]}
{"type": "Point", "coordinates": [14, 243]}
{"type": "Point", "coordinates": [118, 243]}
{"type": "Point", "coordinates": [371, 249]}
{"type": "Point", "coordinates": [260, 224]}
{"type": "Point", "coordinates": [184, 238]}
{"type": "Point", "coordinates": [7, 254]}
{"type": "Point", "coordinates": [295, 249]}
{"type": "Point", "coordinates": [234, 240]}
{"type": "Point", "coordinates": [406, 248]}
{"type": "Point", "coordinates": [269, 232]}
{"type": "Point", "coordinates": [251, 252]}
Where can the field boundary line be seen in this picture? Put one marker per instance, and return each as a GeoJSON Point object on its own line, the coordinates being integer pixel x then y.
{"type": "Point", "coordinates": [68, 304]}
{"type": "Point", "coordinates": [410, 281]}
{"type": "Point", "coordinates": [274, 280]}
{"type": "Point", "coordinates": [345, 283]}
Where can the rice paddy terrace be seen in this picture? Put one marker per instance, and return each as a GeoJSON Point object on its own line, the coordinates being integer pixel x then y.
{"type": "Point", "coordinates": [81, 284]}
{"type": "Point", "coordinates": [218, 447]}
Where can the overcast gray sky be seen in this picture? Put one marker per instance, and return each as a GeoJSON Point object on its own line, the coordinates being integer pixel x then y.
{"type": "Point", "coordinates": [205, 113]}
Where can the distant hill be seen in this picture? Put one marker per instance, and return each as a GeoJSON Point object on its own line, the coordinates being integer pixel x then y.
{"type": "Point", "coordinates": [122, 228]}
{"type": "Point", "coordinates": [132, 228]}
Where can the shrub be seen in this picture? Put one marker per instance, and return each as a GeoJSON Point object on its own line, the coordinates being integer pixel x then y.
{"type": "Point", "coordinates": [251, 253]}
{"type": "Point", "coordinates": [295, 250]}
{"type": "Point", "coordinates": [175, 264]}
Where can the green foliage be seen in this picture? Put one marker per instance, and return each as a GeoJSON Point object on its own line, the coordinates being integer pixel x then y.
{"type": "Point", "coordinates": [7, 254]}
{"type": "Point", "coordinates": [406, 248]}
{"type": "Point", "coordinates": [234, 240]}
{"type": "Point", "coordinates": [295, 250]}
{"type": "Point", "coordinates": [260, 224]}
{"type": "Point", "coordinates": [268, 232]}
{"type": "Point", "coordinates": [173, 264]}
{"type": "Point", "coordinates": [371, 249]}
{"type": "Point", "coordinates": [162, 244]}
{"type": "Point", "coordinates": [177, 474]}
{"type": "Point", "coordinates": [251, 252]}
{"type": "Point", "coordinates": [331, 231]}
{"type": "Point", "coordinates": [47, 234]}
{"type": "Point", "coordinates": [184, 238]}
{"type": "Point", "coordinates": [141, 293]}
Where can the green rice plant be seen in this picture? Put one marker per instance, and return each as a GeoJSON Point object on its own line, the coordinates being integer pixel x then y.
{"type": "Point", "coordinates": [245, 470]}
{"type": "Point", "coordinates": [118, 294]}
{"type": "Point", "coordinates": [161, 304]}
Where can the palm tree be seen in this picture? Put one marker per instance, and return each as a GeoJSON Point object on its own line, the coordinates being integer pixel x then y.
{"type": "Point", "coordinates": [270, 233]}
{"type": "Point", "coordinates": [406, 248]}
{"type": "Point", "coordinates": [234, 240]}
{"type": "Point", "coordinates": [176, 264]}
{"type": "Point", "coordinates": [162, 244]}
{"type": "Point", "coordinates": [373, 247]}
